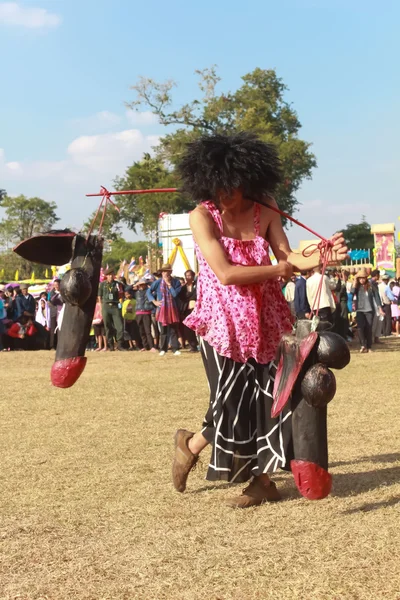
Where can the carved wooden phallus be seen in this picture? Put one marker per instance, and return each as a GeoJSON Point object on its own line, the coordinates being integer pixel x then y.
{"type": "Point", "coordinates": [79, 291]}
{"type": "Point", "coordinates": [303, 377]}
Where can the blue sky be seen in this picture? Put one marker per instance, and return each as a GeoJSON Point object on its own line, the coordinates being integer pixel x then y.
{"type": "Point", "coordinates": [67, 66]}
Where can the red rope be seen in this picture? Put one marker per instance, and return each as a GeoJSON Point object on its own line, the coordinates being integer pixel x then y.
{"type": "Point", "coordinates": [326, 254]}
{"type": "Point", "coordinates": [324, 247]}
{"type": "Point", "coordinates": [103, 190]}
{"type": "Point", "coordinates": [153, 191]}
{"type": "Point", "coordinates": [95, 218]}
{"type": "Point", "coordinates": [105, 200]}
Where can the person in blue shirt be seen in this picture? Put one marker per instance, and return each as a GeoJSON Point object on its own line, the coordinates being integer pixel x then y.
{"type": "Point", "coordinates": [25, 303]}
{"type": "Point", "coordinates": [164, 293]}
{"type": "Point", "coordinates": [301, 305]}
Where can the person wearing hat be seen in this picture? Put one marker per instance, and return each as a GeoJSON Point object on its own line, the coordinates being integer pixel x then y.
{"type": "Point", "coordinates": [365, 306]}
{"type": "Point", "coordinates": [25, 302]}
{"type": "Point", "coordinates": [164, 293]}
{"type": "Point", "coordinates": [109, 295]}
{"type": "Point", "coordinates": [386, 305]}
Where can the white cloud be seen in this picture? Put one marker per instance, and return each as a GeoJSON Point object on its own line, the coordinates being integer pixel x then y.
{"type": "Point", "coordinates": [142, 118]}
{"type": "Point", "coordinates": [91, 160]}
{"type": "Point", "coordinates": [13, 166]}
{"type": "Point", "coordinates": [110, 152]}
{"type": "Point", "coordinates": [12, 13]}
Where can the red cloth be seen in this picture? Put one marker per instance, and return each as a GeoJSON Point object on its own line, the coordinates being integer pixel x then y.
{"type": "Point", "coordinates": [31, 330]}
{"type": "Point", "coordinates": [168, 312]}
{"type": "Point", "coordinates": [15, 331]}
{"type": "Point", "coordinates": [18, 331]}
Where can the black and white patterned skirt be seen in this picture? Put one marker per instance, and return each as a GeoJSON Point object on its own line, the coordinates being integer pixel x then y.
{"type": "Point", "coordinates": [245, 440]}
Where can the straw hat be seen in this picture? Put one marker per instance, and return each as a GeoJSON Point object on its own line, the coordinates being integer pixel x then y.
{"type": "Point", "coordinates": [361, 273]}
{"type": "Point", "coordinates": [166, 267]}
{"type": "Point", "coordinates": [109, 271]}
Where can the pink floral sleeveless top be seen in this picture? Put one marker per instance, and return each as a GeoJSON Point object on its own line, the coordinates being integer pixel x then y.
{"type": "Point", "coordinates": [240, 321]}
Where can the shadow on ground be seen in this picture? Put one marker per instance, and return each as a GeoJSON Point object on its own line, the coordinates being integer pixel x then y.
{"type": "Point", "coordinates": [378, 458]}
{"type": "Point", "coordinates": [368, 507]}
{"type": "Point", "coordinates": [353, 484]}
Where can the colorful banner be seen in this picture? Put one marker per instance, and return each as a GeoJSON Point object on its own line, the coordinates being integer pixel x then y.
{"type": "Point", "coordinates": [385, 251]}
{"type": "Point", "coordinates": [359, 254]}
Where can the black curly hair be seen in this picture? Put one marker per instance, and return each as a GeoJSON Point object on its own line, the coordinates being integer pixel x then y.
{"type": "Point", "coordinates": [228, 162]}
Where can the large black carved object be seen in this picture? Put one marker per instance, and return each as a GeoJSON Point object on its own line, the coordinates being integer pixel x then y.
{"type": "Point", "coordinates": [304, 377]}
{"type": "Point", "coordinates": [79, 291]}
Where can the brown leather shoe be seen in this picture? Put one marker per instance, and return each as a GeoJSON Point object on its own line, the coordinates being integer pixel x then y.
{"type": "Point", "coordinates": [184, 459]}
{"type": "Point", "coordinates": [255, 494]}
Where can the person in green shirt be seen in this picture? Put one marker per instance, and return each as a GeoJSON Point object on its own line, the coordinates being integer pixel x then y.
{"type": "Point", "coordinates": [109, 296]}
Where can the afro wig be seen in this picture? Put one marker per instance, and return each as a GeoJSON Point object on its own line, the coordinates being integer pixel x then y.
{"type": "Point", "coordinates": [216, 163]}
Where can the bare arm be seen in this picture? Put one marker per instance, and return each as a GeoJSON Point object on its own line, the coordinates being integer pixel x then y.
{"type": "Point", "coordinates": [282, 250]}
{"type": "Point", "coordinates": [204, 233]}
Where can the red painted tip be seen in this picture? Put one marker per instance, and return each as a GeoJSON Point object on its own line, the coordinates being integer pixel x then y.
{"type": "Point", "coordinates": [65, 372]}
{"type": "Point", "coordinates": [312, 481]}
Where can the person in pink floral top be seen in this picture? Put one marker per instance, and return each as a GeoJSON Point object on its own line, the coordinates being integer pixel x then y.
{"type": "Point", "coordinates": [240, 313]}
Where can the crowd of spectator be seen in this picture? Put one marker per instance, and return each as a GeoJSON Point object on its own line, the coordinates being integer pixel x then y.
{"type": "Point", "coordinates": [148, 315]}
{"type": "Point", "coordinates": [362, 302]}
{"type": "Point", "coordinates": [145, 316]}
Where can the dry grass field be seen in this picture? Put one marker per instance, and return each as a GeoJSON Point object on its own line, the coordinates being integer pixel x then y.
{"type": "Point", "coordinates": [88, 511]}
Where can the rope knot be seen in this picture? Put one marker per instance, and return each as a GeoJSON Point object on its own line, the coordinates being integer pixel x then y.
{"type": "Point", "coordinates": [104, 203]}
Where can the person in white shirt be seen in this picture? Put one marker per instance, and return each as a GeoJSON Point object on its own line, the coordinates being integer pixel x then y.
{"type": "Point", "coordinates": [326, 305]}
{"type": "Point", "coordinates": [289, 294]}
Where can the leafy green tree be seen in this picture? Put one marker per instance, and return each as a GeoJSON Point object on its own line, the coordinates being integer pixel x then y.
{"type": "Point", "coordinates": [144, 209]}
{"type": "Point", "coordinates": [24, 217]}
{"type": "Point", "coordinates": [123, 250]}
{"type": "Point", "coordinates": [3, 194]}
{"type": "Point", "coordinates": [358, 235]}
{"type": "Point", "coordinates": [11, 262]}
{"type": "Point", "coordinates": [259, 106]}
{"type": "Point", "coordinates": [111, 227]}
